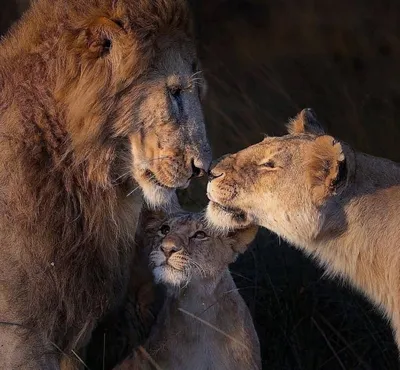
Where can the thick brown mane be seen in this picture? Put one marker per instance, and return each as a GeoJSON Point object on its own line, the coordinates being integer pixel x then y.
{"type": "Point", "coordinates": [66, 225]}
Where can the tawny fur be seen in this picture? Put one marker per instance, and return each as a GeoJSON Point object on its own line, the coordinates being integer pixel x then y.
{"type": "Point", "coordinates": [88, 122]}
{"type": "Point", "coordinates": [338, 205]}
{"type": "Point", "coordinates": [204, 322]}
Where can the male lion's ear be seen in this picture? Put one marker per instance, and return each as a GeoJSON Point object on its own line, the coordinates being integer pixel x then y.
{"type": "Point", "coordinates": [99, 35]}
{"type": "Point", "coordinates": [305, 122]}
{"type": "Point", "coordinates": [243, 238]}
{"type": "Point", "coordinates": [326, 167]}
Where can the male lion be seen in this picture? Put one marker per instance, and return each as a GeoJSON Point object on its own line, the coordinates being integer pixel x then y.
{"type": "Point", "coordinates": [99, 103]}
{"type": "Point", "coordinates": [338, 205]}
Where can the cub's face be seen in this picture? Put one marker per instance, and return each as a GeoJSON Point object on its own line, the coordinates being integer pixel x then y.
{"type": "Point", "coordinates": [283, 183]}
{"type": "Point", "coordinates": [184, 248]}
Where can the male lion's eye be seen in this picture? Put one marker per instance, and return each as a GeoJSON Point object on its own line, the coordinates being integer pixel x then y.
{"type": "Point", "coordinates": [200, 235]}
{"type": "Point", "coordinates": [175, 93]}
{"type": "Point", "coordinates": [164, 230]}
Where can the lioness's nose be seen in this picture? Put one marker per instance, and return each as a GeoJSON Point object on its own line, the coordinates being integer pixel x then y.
{"type": "Point", "coordinates": [216, 169]}
{"type": "Point", "coordinates": [169, 248]}
{"type": "Point", "coordinates": [214, 174]}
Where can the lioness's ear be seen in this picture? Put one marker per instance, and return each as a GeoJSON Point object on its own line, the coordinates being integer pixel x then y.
{"type": "Point", "coordinates": [305, 122]}
{"type": "Point", "coordinates": [243, 238]}
{"type": "Point", "coordinates": [326, 167]}
{"type": "Point", "coordinates": [99, 35]}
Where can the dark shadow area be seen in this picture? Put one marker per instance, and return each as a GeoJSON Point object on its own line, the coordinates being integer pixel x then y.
{"type": "Point", "coordinates": [264, 61]}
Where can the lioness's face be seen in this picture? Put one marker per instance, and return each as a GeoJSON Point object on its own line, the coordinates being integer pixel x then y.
{"type": "Point", "coordinates": [281, 183]}
{"type": "Point", "coordinates": [252, 185]}
{"type": "Point", "coordinates": [185, 248]}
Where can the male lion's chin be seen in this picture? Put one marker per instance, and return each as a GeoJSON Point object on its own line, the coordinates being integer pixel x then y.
{"type": "Point", "coordinates": [157, 196]}
{"type": "Point", "coordinates": [169, 276]}
{"type": "Point", "coordinates": [226, 218]}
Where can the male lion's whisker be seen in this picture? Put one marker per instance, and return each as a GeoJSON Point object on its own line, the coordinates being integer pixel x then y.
{"type": "Point", "coordinates": [131, 192]}
{"type": "Point", "coordinates": [123, 175]}
{"type": "Point", "coordinates": [79, 359]}
{"type": "Point", "coordinates": [159, 158]}
{"type": "Point", "coordinates": [196, 73]}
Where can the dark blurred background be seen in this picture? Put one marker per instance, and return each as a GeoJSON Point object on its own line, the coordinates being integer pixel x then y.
{"type": "Point", "coordinates": [264, 61]}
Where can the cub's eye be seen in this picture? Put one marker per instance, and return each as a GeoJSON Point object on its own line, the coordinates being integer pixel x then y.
{"type": "Point", "coordinates": [199, 235]}
{"type": "Point", "coordinates": [269, 164]}
{"type": "Point", "coordinates": [164, 230]}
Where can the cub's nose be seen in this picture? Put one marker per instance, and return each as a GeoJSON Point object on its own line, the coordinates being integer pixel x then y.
{"type": "Point", "coordinates": [169, 248]}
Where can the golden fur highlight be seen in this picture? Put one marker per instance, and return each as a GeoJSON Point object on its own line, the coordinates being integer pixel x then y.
{"type": "Point", "coordinates": [76, 84]}
{"type": "Point", "coordinates": [337, 205]}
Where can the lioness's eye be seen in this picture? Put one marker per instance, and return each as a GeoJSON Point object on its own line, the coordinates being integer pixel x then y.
{"type": "Point", "coordinates": [164, 230]}
{"type": "Point", "coordinates": [200, 235]}
{"type": "Point", "coordinates": [269, 164]}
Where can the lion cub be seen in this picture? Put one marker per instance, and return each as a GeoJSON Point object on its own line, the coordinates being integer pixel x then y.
{"type": "Point", "coordinates": [204, 322]}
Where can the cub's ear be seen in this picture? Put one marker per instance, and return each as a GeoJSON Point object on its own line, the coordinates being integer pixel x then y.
{"type": "Point", "coordinates": [327, 168]}
{"type": "Point", "coordinates": [241, 239]}
{"type": "Point", "coordinates": [99, 35]}
{"type": "Point", "coordinates": [150, 218]}
{"type": "Point", "coordinates": [305, 122]}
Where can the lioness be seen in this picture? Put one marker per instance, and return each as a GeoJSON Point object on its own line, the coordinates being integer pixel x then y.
{"type": "Point", "coordinates": [99, 108]}
{"type": "Point", "coordinates": [338, 205]}
{"type": "Point", "coordinates": [204, 323]}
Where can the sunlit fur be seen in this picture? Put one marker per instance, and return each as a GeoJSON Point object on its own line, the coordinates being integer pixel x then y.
{"type": "Point", "coordinates": [88, 125]}
{"type": "Point", "coordinates": [338, 205]}
{"type": "Point", "coordinates": [198, 281]}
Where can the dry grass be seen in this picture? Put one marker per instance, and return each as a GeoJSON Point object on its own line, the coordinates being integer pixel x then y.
{"type": "Point", "coordinates": [264, 61]}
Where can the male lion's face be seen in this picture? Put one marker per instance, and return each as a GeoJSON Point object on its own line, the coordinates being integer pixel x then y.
{"type": "Point", "coordinates": [131, 84]}
{"type": "Point", "coordinates": [170, 146]}
{"type": "Point", "coordinates": [282, 183]}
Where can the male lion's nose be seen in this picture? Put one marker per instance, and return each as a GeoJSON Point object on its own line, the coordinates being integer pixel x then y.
{"type": "Point", "coordinates": [198, 168]}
